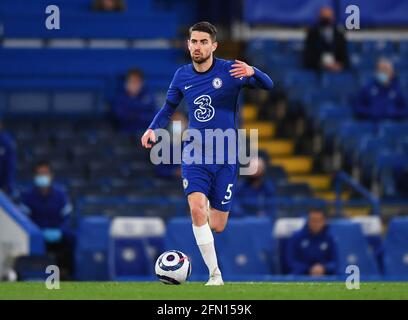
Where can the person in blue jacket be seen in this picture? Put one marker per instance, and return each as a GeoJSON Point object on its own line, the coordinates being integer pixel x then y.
{"type": "Point", "coordinates": [254, 191]}
{"type": "Point", "coordinates": [382, 98]}
{"type": "Point", "coordinates": [135, 106]}
{"type": "Point", "coordinates": [312, 250]}
{"type": "Point", "coordinates": [8, 160]}
{"type": "Point", "coordinates": [48, 206]}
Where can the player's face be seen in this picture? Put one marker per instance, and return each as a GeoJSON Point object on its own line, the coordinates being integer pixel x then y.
{"type": "Point", "coordinates": [316, 222]}
{"type": "Point", "coordinates": [201, 46]}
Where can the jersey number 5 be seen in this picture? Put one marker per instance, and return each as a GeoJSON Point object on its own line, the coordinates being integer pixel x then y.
{"type": "Point", "coordinates": [229, 192]}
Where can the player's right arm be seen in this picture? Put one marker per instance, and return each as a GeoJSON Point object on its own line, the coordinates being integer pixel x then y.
{"type": "Point", "coordinates": [162, 118]}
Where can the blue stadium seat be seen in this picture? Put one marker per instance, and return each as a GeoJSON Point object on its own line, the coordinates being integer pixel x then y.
{"type": "Point", "coordinates": [290, 12]}
{"type": "Point", "coordinates": [352, 247]}
{"type": "Point", "coordinates": [246, 247]}
{"type": "Point", "coordinates": [396, 248]}
{"type": "Point", "coordinates": [135, 243]}
{"type": "Point", "coordinates": [92, 25]}
{"type": "Point", "coordinates": [91, 253]}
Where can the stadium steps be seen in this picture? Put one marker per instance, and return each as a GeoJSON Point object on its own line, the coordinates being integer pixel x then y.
{"type": "Point", "coordinates": [316, 181]}
{"type": "Point", "coordinates": [350, 211]}
{"type": "Point", "coordinates": [330, 195]}
{"type": "Point", "coordinates": [277, 147]}
{"type": "Point", "coordinates": [294, 164]}
{"type": "Point", "coordinates": [266, 129]}
{"type": "Point", "coordinates": [249, 112]}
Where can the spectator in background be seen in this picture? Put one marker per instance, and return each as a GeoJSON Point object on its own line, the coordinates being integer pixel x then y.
{"type": "Point", "coordinates": [8, 160]}
{"type": "Point", "coordinates": [326, 47]}
{"type": "Point", "coordinates": [254, 191]}
{"type": "Point", "coordinates": [135, 106]}
{"type": "Point", "coordinates": [109, 5]}
{"type": "Point", "coordinates": [176, 128]}
{"type": "Point", "coordinates": [312, 250]}
{"type": "Point", "coordinates": [48, 206]}
{"type": "Point", "coordinates": [382, 98]}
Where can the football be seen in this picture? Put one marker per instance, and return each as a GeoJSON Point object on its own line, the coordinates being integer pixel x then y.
{"type": "Point", "coordinates": [173, 267]}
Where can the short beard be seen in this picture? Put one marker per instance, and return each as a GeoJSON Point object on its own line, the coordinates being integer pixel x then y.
{"type": "Point", "coordinates": [200, 60]}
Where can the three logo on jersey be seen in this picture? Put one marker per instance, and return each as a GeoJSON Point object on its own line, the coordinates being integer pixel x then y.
{"type": "Point", "coordinates": [205, 111]}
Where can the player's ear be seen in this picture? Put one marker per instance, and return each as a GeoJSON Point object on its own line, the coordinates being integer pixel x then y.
{"type": "Point", "coordinates": [214, 45]}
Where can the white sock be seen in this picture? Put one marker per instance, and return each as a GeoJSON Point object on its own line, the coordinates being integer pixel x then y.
{"type": "Point", "coordinates": [205, 242]}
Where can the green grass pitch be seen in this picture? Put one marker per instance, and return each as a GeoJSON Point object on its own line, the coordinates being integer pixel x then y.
{"type": "Point", "coordinates": [197, 291]}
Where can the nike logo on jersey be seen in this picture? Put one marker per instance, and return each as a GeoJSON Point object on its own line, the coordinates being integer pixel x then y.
{"type": "Point", "coordinates": [225, 202]}
{"type": "Point", "coordinates": [187, 87]}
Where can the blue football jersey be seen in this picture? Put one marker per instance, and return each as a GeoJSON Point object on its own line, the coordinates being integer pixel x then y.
{"type": "Point", "coordinates": [212, 100]}
{"type": "Point", "coordinates": [211, 96]}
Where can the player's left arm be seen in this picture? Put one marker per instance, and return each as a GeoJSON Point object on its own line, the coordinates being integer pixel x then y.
{"type": "Point", "coordinates": [255, 78]}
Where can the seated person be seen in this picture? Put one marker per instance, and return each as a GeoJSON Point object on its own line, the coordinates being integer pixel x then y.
{"type": "Point", "coordinates": [254, 190]}
{"type": "Point", "coordinates": [312, 250]}
{"type": "Point", "coordinates": [134, 108]}
{"type": "Point", "coordinates": [176, 128]}
{"type": "Point", "coordinates": [109, 5]}
{"type": "Point", "coordinates": [48, 206]}
{"type": "Point", "coordinates": [382, 98]}
{"type": "Point", "coordinates": [8, 161]}
{"type": "Point", "coordinates": [326, 46]}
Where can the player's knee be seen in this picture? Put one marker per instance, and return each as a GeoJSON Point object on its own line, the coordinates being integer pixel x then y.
{"type": "Point", "coordinates": [219, 227]}
{"type": "Point", "coordinates": [199, 213]}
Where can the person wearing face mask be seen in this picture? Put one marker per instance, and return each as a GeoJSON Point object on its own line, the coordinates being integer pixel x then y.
{"type": "Point", "coordinates": [254, 191]}
{"type": "Point", "coordinates": [325, 46]}
{"type": "Point", "coordinates": [312, 250]}
{"type": "Point", "coordinates": [176, 128]}
{"type": "Point", "coordinates": [382, 98]}
{"type": "Point", "coordinates": [48, 206]}
{"type": "Point", "coordinates": [135, 106]}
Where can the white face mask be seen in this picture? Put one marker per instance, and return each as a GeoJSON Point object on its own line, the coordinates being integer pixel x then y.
{"type": "Point", "coordinates": [42, 180]}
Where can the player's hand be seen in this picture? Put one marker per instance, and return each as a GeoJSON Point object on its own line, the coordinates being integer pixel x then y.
{"type": "Point", "coordinates": [148, 138]}
{"type": "Point", "coordinates": [241, 69]}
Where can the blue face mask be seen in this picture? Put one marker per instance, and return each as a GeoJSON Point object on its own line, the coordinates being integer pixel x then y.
{"type": "Point", "coordinates": [382, 77]}
{"type": "Point", "coordinates": [42, 181]}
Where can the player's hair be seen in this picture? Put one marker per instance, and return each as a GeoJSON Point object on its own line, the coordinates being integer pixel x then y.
{"type": "Point", "coordinates": [134, 72]}
{"type": "Point", "coordinates": [206, 27]}
{"type": "Point", "coordinates": [318, 209]}
{"type": "Point", "coordinates": [42, 163]}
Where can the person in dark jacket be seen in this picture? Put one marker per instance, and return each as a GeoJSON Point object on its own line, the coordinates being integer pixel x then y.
{"type": "Point", "coordinates": [254, 191]}
{"type": "Point", "coordinates": [48, 206]}
{"type": "Point", "coordinates": [312, 250]}
{"type": "Point", "coordinates": [326, 46]}
{"type": "Point", "coordinates": [8, 161]}
{"type": "Point", "coordinates": [381, 98]}
{"type": "Point", "coordinates": [135, 106]}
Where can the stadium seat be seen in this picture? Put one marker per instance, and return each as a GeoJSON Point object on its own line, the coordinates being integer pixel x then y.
{"type": "Point", "coordinates": [353, 247]}
{"type": "Point", "coordinates": [283, 229]}
{"type": "Point", "coordinates": [246, 247]}
{"type": "Point", "coordinates": [396, 248]}
{"type": "Point", "coordinates": [91, 253]}
{"type": "Point", "coordinates": [135, 244]}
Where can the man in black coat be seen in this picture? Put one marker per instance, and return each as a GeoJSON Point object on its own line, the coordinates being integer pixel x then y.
{"type": "Point", "coordinates": [326, 46]}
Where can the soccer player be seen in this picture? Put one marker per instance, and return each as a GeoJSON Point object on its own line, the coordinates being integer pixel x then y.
{"type": "Point", "coordinates": [211, 87]}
